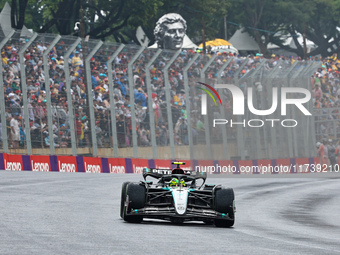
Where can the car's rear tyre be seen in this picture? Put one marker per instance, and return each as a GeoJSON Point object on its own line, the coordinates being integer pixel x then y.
{"type": "Point", "coordinates": [123, 197]}
{"type": "Point", "coordinates": [224, 203]}
{"type": "Point", "coordinates": [135, 193]}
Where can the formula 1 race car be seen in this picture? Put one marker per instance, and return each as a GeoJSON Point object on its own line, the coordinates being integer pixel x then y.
{"type": "Point", "coordinates": [177, 196]}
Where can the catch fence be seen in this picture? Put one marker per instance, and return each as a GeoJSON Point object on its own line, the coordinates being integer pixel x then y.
{"type": "Point", "coordinates": [72, 96]}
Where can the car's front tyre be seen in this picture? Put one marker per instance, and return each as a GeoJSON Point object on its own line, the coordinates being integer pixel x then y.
{"type": "Point", "coordinates": [123, 197]}
{"type": "Point", "coordinates": [134, 200]}
{"type": "Point", "coordinates": [224, 203]}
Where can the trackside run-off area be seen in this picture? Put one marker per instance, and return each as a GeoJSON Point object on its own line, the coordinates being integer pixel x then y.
{"type": "Point", "coordinates": [78, 213]}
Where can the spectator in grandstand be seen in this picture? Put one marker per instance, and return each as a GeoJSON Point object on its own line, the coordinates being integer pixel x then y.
{"type": "Point", "coordinates": [120, 126]}
{"type": "Point", "coordinates": [13, 68]}
{"type": "Point", "coordinates": [317, 92]}
{"type": "Point", "coordinates": [99, 134]}
{"type": "Point", "coordinates": [15, 106]}
{"type": "Point", "coordinates": [140, 97]}
{"type": "Point", "coordinates": [200, 126]}
{"type": "Point", "coordinates": [144, 136]}
{"type": "Point", "coordinates": [163, 134]}
{"type": "Point", "coordinates": [122, 84]}
{"type": "Point", "coordinates": [76, 61]}
{"type": "Point", "coordinates": [15, 131]}
{"type": "Point", "coordinates": [183, 131]}
{"type": "Point", "coordinates": [22, 132]}
{"type": "Point", "coordinates": [47, 140]}
{"type": "Point", "coordinates": [94, 79]}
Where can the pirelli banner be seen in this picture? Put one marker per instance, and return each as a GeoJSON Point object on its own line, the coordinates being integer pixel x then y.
{"type": "Point", "coordinates": [132, 165]}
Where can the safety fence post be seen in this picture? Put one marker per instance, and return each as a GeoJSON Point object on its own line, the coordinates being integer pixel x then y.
{"type": "Point", "coordinates": [168, 99]}
{"type": "Point", "coordinates": [112, 105]}
{"type": "Point", "coordinates": [132, 102]}
{"type": "Point", "coordinates": [2, 97]}
{"type": "Point", "coordinates": [273, 150]}
{"type": "Point", "coordinates": [187, 103]}
{"type": "Point", "coordinates": [206, 117]}
{"type": "Point", "coordinates": [312, 123]}
{"type": "Point", "coordinates": [222, 109]}
{"type": "Point", "coordinates": [90, 99]}
{"type": "Point", "coordinates": [24, 92]}
{"type": "Point", "coordinates": [150, 103]}
{"type": "Point", "coordinates": [69, 96]}
{"type": "Point", "coordinates": [48, 93]}
{"type": "Point", "coordinates": [241, 146]}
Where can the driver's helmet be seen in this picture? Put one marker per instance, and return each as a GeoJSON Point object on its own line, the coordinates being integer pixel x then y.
{"type": "Point", "coordinates": [182, 182]}
{"type": "Point", "coordinates": [176, 182]}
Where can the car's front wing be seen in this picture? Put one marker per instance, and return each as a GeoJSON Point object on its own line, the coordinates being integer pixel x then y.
{"type": "Point", "coordinates": [170, 212]}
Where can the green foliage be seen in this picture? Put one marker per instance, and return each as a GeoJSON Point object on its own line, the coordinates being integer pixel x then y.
{"type": "Point", "coordinates": [265, 20]}
{"type": "Point", "coordinates": [317, 19]}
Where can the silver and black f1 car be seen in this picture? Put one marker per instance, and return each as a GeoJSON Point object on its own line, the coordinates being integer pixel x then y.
{"type": "Point", "coordinates": [177, 197]}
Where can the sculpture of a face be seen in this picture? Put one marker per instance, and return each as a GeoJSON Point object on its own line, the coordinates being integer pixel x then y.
{"type": "Point", "coordinates": [170, 31]}
{"type": "Point", "coordinates": [173, 36]}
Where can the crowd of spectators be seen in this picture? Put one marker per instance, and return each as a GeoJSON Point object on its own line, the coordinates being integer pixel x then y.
{"type": "Point", "coordinates": [325, 85]}
{"type": "Point", "coordinates": [326, 98]}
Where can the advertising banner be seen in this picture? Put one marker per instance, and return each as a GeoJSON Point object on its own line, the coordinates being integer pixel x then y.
{"type": "Point", "coordinates": [92, 165]}
{"type": "Point", "coordinates": [282, 166]}
{"type": "Point", "coordinates": [247, 167]}
{"type": "Point", "coordinates": [40, 163]}
{"type": "Point", "coordinates": [302, 165]}
{"type": "Point", "coordinates": [67, 164]}
{"type": "Point", "coordinates": [162, 163]}
{"type": "Point", "coordinates": [117, 165]}
{"type": "Point", "coordinates": [264, 166]}
{"type": "Point", "coordinates": [204, 166]}
{"type": "Point", "coordinates": [138, 165]}
{"type": "Point", "coordinates": [13, 162]}
{"type": "Point", "coordinates": [226, 167]}
{"type": "Point", "coordinates": [127, 165]}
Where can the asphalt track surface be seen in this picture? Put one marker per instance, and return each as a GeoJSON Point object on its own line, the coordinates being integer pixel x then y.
{"type": "Point", "coordinates": [78, 213]}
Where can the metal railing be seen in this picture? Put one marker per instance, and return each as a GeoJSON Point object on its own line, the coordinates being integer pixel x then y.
{"type": "Point", "coordinates": [70, 96]}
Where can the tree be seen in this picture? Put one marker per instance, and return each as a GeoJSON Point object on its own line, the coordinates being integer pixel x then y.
{"type": "Point", "coordinates": [265, 20]}
{"type": "Point", "coordinates": [260, 18]}
{"type": "Point", "coordinates": [268, 20]}
{"type": "Point", "coordinates": [318, 20]}
{"type": "Point", "coordinates": [18, 12]}
{"type": "Point", "coordinates": [102, 18]}
{"type": "Point", "coordinates": [118, 19]}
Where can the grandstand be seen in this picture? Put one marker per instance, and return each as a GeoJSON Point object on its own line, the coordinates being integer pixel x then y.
{"type": "Point", "coordinates": [75, 97]}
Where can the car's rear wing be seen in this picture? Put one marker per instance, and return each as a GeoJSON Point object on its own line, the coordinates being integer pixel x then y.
{"type": "Point", "coordinates": [159, 173]}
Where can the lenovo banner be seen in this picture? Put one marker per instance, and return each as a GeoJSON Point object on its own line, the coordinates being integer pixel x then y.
{"type": "Point", "coordinates": [13, 162]}
{"type": "Point", "coordinates": [138, 165]}
{"type": "Point", "coordinates": [162, 164]}
{"type": "Point", "coordinates": [67, 164]}
{"type": "Point", "coordinates": [40, 163]}
{"type": "Point", "coordinates": [117, 165]}
{"type": "Point", "coordinates": [92, 165]}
